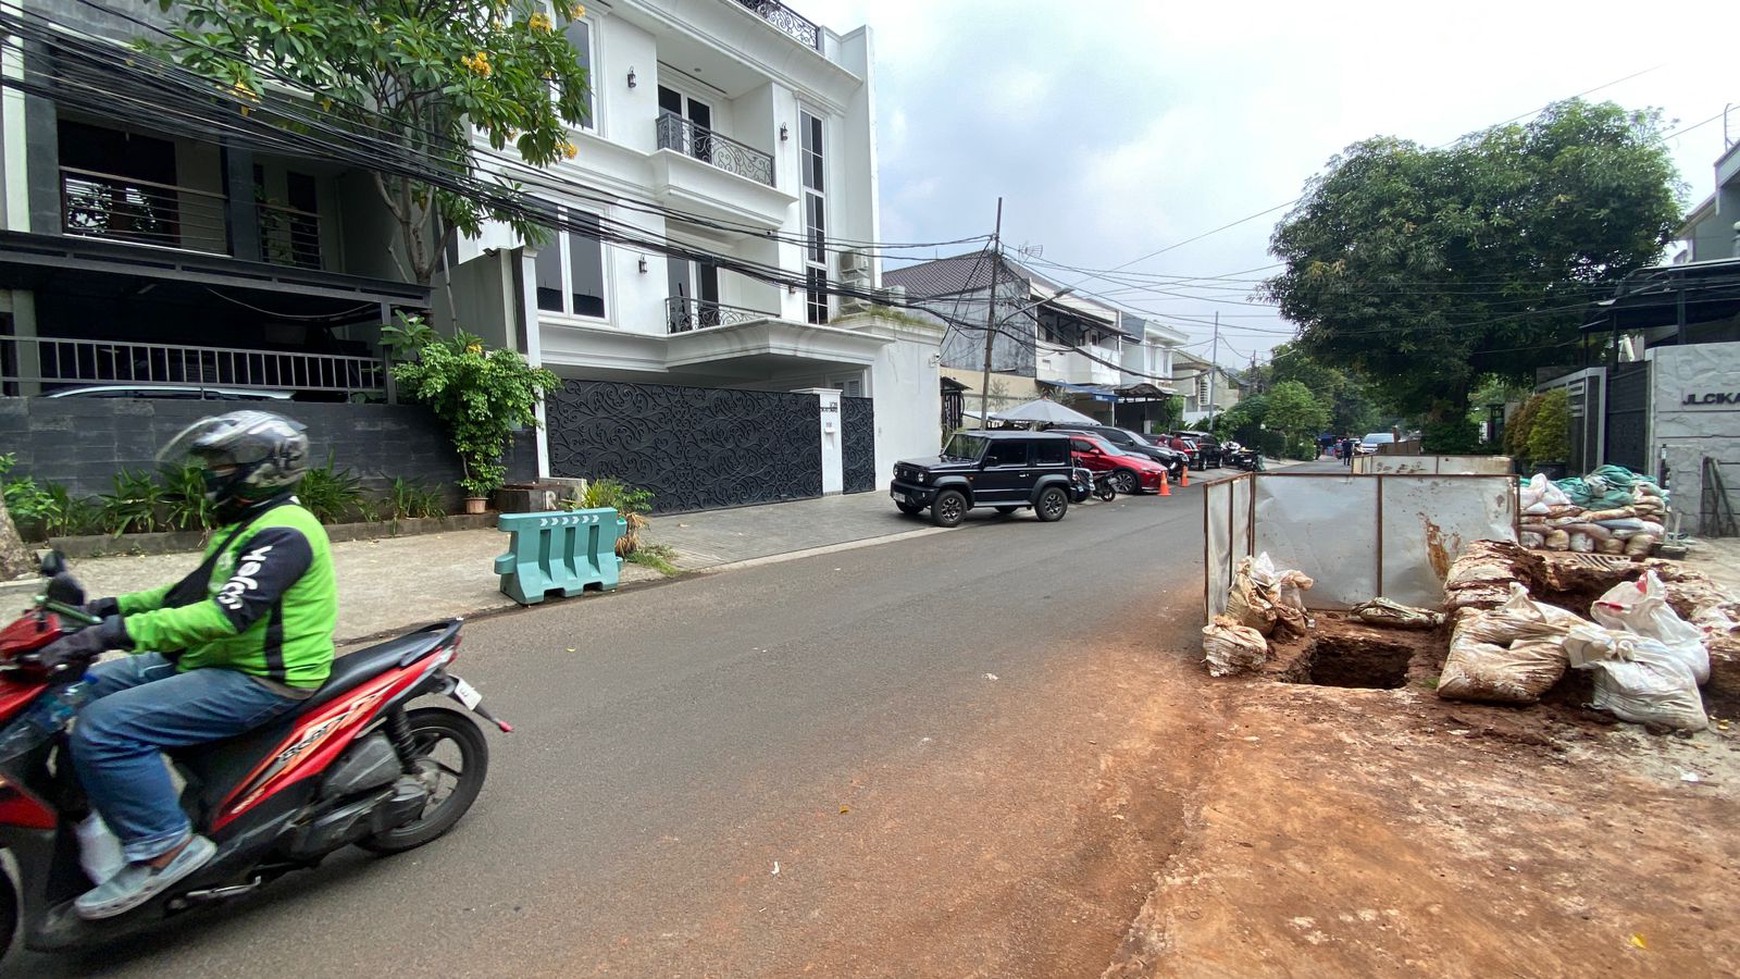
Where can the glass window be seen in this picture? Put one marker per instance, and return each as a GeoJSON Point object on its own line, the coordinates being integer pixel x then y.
{"type": "Point", "coordinates": [816, 300]}
{"type": "Point", "coordinates": [1007, 454]}
{"type": "Point", "coordinates": [570, 269]}
{"type": "Point", "coordinates": [580, 35]}
{"type": "Point", "coordinates": [1052, 452]}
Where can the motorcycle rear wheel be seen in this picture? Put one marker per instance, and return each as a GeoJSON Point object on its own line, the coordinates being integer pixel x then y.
{"type": "Point", "coordinates": [431, 728]}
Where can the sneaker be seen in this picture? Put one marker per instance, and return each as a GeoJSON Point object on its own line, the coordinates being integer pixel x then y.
{"type": "Point", "coordinates": [137, 883]}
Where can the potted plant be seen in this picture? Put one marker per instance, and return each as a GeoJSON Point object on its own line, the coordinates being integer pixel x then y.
{"type": "Point", "coordinates": [481, 396]}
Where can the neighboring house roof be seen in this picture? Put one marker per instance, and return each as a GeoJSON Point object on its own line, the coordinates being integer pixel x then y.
{"type": "Point", "coordinates": [1665, 295]}
{"type": "Point", "coordinates": [945, 276]}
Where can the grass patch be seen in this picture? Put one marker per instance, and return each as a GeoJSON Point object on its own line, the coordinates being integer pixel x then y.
{"type": "Point", "coordinates": [657, 557]}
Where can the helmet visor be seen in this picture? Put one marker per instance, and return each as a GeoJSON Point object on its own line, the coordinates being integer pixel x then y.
{"type": "Point", "coordinates": [222, 440]}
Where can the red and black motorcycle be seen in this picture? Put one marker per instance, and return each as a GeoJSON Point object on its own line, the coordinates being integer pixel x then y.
{"type": "Point", "coordinates": [353, 764]}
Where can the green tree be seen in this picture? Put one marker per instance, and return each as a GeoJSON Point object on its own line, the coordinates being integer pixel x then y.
{"type": "Point", "coordinates": [422, 73]}
{"type": "Point", "coordinates": [1351, 408]}
{"type": "Point", "coordinates": [1424, 270]}
{"type": "Point", "coordinates": [1296, 413]}
{"type": "Point", "coordinates": [1550, 433]}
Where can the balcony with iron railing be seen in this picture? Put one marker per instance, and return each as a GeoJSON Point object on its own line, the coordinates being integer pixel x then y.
{"type": "Point", "coordinates": [787, 20]}
{"type": "Point", "coordinates": [46, 363]}
{"type": "Point", "coordinates": [122, 208]}
{"type": "Point", "coordinates": [683, 314]}
{"type": "Point", "coordinates": [701, 143]}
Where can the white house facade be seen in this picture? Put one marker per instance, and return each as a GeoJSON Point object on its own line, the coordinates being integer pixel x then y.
{"type": "Point", "coordinates": [743, 135]}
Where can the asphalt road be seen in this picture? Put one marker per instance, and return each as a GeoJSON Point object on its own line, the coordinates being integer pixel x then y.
{"type": "Point", "coordinates": [665, 735]}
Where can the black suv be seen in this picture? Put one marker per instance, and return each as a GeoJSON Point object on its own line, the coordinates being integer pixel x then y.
{"type": "Point", "coordinates": [1209, 447]}
{"type": "Point", "coordinates": [1129, 441]}
{"type": "Point", "coordinates": [1006, 470]}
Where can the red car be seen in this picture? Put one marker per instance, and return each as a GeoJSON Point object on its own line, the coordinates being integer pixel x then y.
{"type": "Point", "coordinates": [1130, 473]}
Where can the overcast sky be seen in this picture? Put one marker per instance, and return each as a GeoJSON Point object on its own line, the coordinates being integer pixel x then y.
{"type": "Point", "coordinates": [1115, 130]}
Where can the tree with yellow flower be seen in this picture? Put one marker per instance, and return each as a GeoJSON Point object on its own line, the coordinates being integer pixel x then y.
{"type": "Point", "coordinates": [421, 73]}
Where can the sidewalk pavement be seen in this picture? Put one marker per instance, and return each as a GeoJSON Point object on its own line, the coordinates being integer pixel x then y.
{"type": "Point", "coordinates": [391, 585]}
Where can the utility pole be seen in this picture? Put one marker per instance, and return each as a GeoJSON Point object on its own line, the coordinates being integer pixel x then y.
{"type": "Point", "coordinates": [1213, 367]}
{"type": "Point", "coordinates": [991, 319]}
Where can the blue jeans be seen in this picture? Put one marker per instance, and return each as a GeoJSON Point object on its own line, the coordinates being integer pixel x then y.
{"type": "Point", "coordinates": [139, 707]}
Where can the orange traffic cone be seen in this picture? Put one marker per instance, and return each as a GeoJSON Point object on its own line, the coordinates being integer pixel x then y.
{"type": "Point", "coordinates": [1165, 484]}
{"type": "Point", "coordinates": [1184, 476]}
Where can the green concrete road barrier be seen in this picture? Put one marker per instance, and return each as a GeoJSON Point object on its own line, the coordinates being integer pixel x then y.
{"type": "Point", "coordinates": [567, 552]}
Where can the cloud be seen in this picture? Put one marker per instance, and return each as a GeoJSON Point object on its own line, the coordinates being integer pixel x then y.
{"type": "Point", "coordinates": [1114, 129]}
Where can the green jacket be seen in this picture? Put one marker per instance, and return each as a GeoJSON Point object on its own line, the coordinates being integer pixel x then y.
{"type": "Point", "coordinates": [269, 608]}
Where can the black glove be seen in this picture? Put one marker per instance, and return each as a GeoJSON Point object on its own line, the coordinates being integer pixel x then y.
{"type": "Point", "coordinates": [102, 608]}
{"type": "Point", "coordinates": [71, 654]}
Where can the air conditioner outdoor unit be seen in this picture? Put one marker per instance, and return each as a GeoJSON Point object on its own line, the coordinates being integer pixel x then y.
{"type": "Point", "coordinates": [854, 261]}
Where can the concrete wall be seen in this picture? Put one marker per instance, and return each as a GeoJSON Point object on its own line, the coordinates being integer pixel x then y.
{"type": "Point", "coordinates": [82, 442]}
{"type": "Point", "coordinates": [1695, 414]}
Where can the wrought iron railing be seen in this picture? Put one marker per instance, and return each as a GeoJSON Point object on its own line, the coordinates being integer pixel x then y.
{"type": "Point", "coordinates": [677, 133]}
{"type": "Point", "coordinates": [51, 363]}
{"type": "Point", "coordinates": [683, 314]}
{"type": "Point", "coordinates": [104, 205]}
{"type": "Point", "coordinates": [787, 20]}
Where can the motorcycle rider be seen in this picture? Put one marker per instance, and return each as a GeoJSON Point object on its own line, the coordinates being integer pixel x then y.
{"type": "Point", "coordinates": [243, 639]}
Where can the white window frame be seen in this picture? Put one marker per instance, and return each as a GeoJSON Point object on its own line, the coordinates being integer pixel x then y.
{"type": "Point", "coordinates": [811, 265]}
{"type": "Point", "coordinates": [559, 245]}
{"type": "Point", "coordinates": [592, 74]}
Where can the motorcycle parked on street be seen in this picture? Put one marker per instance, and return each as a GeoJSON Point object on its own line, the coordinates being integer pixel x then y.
{"type": "Point", "coordinates": [1085, 482]}
{"type": "Point", "coordinates": [1242, 457]}
{"type": "Point", "coordinates": [352, 764]}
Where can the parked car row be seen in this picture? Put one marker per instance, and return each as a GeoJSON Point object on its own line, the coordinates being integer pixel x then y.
{"type": "Point", "coordinates": [1010, 470]}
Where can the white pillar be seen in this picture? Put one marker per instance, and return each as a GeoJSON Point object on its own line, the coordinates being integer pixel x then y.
{"type": "Point", "coordinates": [833, 465]}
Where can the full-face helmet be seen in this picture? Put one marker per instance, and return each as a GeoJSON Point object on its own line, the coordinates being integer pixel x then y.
{"type": "Point", "coordinates": [247, 457]}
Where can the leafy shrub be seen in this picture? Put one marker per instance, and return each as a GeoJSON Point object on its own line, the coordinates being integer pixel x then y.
{"type": "Point", "coordinates": [407, 499]}
{"type": "Point", "coordinates": [1550, 431]}
{"type": "Point", "coordinates": [1453, 436]}
{"type": "Point", "coordinates": [1516, 433]}
{"type": "Point", "coordinates": [74, 517]}
{"type": "Point", "coordinates": [632, 503]}
{"type": "Point", "coordinates": [135, 506]}
{"type": "Point", "coordinates": [332, 495]}
{"type": "Point", "coordinates": [184, 504]}
{"type": "Point", "coordinates": [33, 507]}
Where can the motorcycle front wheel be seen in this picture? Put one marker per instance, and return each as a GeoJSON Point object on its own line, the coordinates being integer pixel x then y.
{"type": "Point", "coordinates": [452, 757]}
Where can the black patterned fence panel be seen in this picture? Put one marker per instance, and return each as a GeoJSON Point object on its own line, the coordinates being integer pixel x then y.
{"type": "Point", "coordinates": [858, 444]}
{"type": "Point", "coordinates": [694, 448]}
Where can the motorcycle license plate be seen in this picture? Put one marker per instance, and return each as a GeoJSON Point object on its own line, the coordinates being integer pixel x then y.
{"type": "Point", "coordinates": [466, 694]}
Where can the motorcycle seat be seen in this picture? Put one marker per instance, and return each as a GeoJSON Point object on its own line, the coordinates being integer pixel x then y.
{"type": "Point", "coordinates": [352, 670]}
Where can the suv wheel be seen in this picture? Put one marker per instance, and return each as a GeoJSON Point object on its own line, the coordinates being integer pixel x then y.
{"type": "Point", "coordinates": [1053, 504]}
{"type": "Point", "coordinates": [949, 508]}
{"type": "Point", "coordinates": [1125, 482]}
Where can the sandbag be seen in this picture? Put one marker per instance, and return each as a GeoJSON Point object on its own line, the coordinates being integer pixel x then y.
{"type": "Point", "coordinates": [1509, 655]}
{"type": "Point", "coordinates": [1291, 619]}
{"type": "Point", "coordinates": [1251, 600]}
{"type": "Point", "coordinates": [1637, 678]}
{"type": "Point", "coordinates": [1641, 607]}
{"type": "Point", "coordinates": [1395, 615]}
{"type": "Point", "coordinates": [1488, 672]}
{"type": "Point", "coordinates": [1558, 540]}
{"type": "Point", "coordinates": [1230, 648]}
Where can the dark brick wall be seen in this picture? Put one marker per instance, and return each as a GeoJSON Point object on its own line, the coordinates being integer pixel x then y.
{"type": "Point", "coordinates": [82, 442]}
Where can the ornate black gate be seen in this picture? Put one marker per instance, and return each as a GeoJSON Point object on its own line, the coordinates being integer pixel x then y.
{"type": "Point", "coordinates": [1628, 416]}
{"type": "Point", "coordinates": [858, 444]}
{"type": "Point", "coordinates": [694, 448]}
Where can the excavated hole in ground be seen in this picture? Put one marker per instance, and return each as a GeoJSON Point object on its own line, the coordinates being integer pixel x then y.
{"type": "Point", "coordinates": [1346, 661]}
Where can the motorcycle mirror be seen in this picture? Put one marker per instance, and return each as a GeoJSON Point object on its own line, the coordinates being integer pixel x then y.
{"type": "Point", "coordinates": [53, 563]}
{"type": "Point", "coordinates": [65, 589]}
